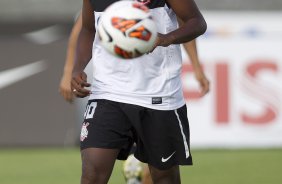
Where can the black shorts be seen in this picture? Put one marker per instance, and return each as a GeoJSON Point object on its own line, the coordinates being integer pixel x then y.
{"type": "Point", "coordinates": [161, 137]}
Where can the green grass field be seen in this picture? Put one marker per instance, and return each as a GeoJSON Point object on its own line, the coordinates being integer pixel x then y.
{"type": "Point", "coordinates": [62, 166]}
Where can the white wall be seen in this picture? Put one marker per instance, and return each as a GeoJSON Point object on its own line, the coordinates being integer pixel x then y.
{"type": "Point", "coordinates": [242, 56]}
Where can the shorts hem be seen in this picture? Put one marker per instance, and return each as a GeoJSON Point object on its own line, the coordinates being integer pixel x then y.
{"type": "Point", "coordinates": [167, 166]}
{"type": "Point", "coordinates": [100, 146]}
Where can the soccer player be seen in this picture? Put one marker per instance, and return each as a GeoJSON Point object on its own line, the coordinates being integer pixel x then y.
{"type": "Point", "coordinates": [132, 166]}
{"type": "Point", "coordinates": [132, 171]}
{"type": "Point", "coordinates": [140, 102]}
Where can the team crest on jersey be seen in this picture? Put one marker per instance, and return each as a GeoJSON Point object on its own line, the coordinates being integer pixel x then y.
{"type": "Point", "coordinates": [84, 131]}
{"type": "Point", "coordinates": [145, 2]}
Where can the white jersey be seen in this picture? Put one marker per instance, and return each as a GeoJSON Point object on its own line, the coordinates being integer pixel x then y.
{"type": "Point", "coordinates": [152, 80]}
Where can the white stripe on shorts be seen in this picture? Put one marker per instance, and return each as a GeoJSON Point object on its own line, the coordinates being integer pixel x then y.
{"type": "Point", "coordinates": [183, 135]}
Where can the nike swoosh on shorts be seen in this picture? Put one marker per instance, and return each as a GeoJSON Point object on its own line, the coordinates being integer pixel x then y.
{"type": "Point", "coordinates": [166, 159]}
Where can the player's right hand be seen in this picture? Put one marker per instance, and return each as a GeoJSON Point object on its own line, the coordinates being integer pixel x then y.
{"type": "Point", "coordinates": [161, 40]}
{"type": "Point", "coordinates": [78, 84]}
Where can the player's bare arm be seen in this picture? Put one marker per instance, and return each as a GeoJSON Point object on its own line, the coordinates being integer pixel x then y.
{"type": "Point", "coordinates": [194, 23]}
{"type": "Point", "coordinates": [65, 84]}
{"type": "Point", "coordinates": [191, 49]}
{"type": "Point", "coordinates": [84, 51]}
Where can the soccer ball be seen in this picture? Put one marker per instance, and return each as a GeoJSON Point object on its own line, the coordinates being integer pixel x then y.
{"type": "Point", "coordinates": [126, 29]}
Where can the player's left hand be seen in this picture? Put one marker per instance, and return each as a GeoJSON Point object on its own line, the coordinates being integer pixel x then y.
{"type": "Point", "coordinates": [65, 88]}
{"type": "Point", "coordinates": [204, 83]}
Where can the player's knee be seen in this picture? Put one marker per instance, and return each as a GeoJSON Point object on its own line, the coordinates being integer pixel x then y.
{"type": "Point", "coordinates": [91, 174]}
{"type": "Point", "coordinates": [165, 176]}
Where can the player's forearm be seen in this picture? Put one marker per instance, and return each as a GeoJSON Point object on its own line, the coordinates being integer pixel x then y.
{"type": "Point", "coordinates": [71, 50]}
{"type": "Point", "coordinates": [188, 31]}
{"type": "Point", "coordinates": [84, 49]}
{"type": "Point", "coordinates": [191, 49]}
{"type": "Point", "coordinates": [69, 63]}
{"type": "Point", "coordinates": [70, 57]}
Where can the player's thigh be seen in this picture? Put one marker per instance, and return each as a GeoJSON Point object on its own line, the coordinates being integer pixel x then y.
{"type": "Point", "coordinates": [105, 126]}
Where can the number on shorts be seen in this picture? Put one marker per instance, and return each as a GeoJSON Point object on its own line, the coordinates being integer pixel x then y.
{"type": "Point", "coordinates": [90, 109]}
